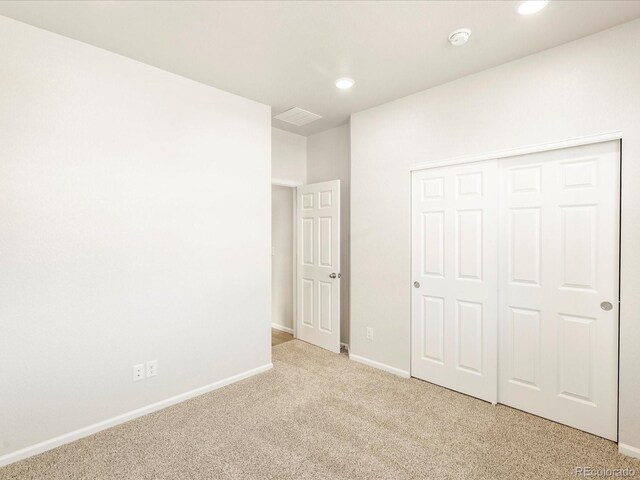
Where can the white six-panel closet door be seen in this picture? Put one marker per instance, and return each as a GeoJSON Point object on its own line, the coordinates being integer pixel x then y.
{"type": "Point", "coordinates": [515, 267]}
{"type": "Point", "coordinates": [454, 276]}
{"type": "Point", "coordinates": [559, 229]}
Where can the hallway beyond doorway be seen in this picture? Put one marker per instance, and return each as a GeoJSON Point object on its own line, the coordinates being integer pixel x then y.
{"type": "Point", "coordinates": [278, 337]}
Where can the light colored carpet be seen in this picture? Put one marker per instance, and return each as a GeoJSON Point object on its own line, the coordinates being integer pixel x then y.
{"type": "Point", "coordinates": [318, 415]}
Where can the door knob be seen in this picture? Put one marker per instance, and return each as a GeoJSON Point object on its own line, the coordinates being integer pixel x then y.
{"type": "Point", "coordinates": [333, 275]}
{"type": "Point", "coordinates": [606, 306]}
{"type": "Point", "coordinates": [416, 284]}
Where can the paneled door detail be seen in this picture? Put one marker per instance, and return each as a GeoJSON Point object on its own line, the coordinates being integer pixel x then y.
{"type": "Point", "coordinates": [318, 264]}
{"type": "Point", "coordinates": [454, 278]}
{"type": "Point", "coordinates": [558, 302]}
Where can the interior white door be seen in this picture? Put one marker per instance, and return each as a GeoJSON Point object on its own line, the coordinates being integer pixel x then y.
{"type": "Point", "coordinates": [454, 292]}
{"type": "Point", "coordinates": [558, 265]}
{"type": "Point", "coordinates": [318, 264]}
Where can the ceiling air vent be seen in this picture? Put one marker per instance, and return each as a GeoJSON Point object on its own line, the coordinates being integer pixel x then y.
{"type": "Point", "coordinates": [297, 116]}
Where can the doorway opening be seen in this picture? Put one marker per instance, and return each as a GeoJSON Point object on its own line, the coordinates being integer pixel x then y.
{"type": "Point", "coordinates": [305, 259]}
{"type": "Point", "coordinates": [283, 263]}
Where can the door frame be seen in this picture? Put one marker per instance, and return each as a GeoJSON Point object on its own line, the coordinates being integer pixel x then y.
{"type": "Point", "coordinates": [292, 185]}
{"type": "Point", "coordinates": [514, 152]}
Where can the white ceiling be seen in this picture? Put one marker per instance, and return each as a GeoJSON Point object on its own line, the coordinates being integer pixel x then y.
{"type": "Point", "coordinates": [288, 54]}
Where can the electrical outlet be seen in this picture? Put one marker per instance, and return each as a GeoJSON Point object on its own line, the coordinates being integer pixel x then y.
{"type": "Point", "coordinates": [152, 368]}
{"type": "Point", "coordinates": [138, 372]}
{"type": "Point", "coordinates": [369, 333]}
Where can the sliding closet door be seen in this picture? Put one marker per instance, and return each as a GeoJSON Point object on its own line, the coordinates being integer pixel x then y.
{"type": "Point", "coordinates": [454, 278]}
{"type": "Point", "coordinates": [559, 285]}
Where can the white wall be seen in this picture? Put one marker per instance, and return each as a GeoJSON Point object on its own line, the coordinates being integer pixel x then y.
{"type": "Point", "coordinates": [583, 88]}
{"type": "Point", "coordinates": [135, 210]}
{"type": "Point", "coordinates": [288, 156]}
{"type": "Point", "coordinates": [282, 256]}
{"type": "Point", "coordinates": [329, 158]}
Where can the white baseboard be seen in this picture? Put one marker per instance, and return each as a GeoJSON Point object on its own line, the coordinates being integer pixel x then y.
{"type": "Point", "coordinates": [629, 450]}
{"type": "Point", "coordinates": [381, 366]}
{"type": "Point", "coordinates": [281, 328]}
{"type": "Point", "coordinates": [125, 417]}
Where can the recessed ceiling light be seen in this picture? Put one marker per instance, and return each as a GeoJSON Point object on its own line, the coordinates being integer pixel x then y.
{"type": "Point", "coordinates": [344, 83]}
{"type": "Point", "coordinates": [532, 6]}
{"type": "Point", "coordinates": [459, 37]}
